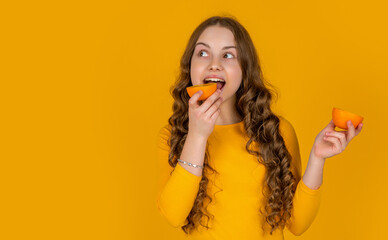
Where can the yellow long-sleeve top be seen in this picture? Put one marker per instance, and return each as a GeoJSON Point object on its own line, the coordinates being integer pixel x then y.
{"type": "Point", "coordinates": [241, 178]}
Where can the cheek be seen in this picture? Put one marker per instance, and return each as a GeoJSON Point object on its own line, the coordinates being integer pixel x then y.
{"type": "Point", "coordinates": [235, 72]}
{"type": "Point", "coordinates": [196, 70]}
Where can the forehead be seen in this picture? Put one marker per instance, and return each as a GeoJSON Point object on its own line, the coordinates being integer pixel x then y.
{"type": "Point", "coordinates": [216, 35]}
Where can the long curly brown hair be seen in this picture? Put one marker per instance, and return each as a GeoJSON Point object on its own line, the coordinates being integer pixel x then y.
{"type": "Point", "coordinates": [253, 100]}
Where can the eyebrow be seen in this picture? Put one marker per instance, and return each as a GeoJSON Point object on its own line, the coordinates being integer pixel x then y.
{"type": "Point", "coordinates": [206, 45]}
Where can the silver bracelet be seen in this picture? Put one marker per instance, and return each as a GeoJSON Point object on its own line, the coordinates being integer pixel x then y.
{"type": "Point", "coordinates": [190, 164]}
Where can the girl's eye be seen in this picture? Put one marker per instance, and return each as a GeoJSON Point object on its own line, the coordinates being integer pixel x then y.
{"type": "Point", "coordinates": [200, 53]}
{"type": "Point", "coordinates": [229, 54]}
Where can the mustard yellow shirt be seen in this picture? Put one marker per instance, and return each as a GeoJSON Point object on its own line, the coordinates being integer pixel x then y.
{"type": "Point", "coordinates": [236, 207]}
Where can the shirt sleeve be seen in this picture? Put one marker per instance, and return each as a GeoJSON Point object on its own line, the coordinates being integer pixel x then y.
{"type": "Point", "coordinates": [306, 201]}
{"type": "Point", "coordinates": [177, 187]}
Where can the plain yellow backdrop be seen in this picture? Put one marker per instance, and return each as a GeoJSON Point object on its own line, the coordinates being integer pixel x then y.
{"type": "Point", "coordinates": [85, 89]}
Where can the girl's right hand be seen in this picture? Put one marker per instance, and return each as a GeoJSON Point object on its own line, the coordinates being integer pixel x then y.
{"type": "Point", "coordinates": [202, 118]}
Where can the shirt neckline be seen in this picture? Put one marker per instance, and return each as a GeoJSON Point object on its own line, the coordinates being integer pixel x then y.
{"type": "Point", "coordinates": [229, 125]}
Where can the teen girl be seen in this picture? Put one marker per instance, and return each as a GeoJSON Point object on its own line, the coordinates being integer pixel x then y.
{"type": "Point", "coordinates": [230, 167]}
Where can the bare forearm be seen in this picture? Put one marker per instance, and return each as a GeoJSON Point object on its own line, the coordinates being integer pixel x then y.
{"type": "Point", "coordinates": [194, 152]}
{"type": "Point", "coordinates": [313, 176]}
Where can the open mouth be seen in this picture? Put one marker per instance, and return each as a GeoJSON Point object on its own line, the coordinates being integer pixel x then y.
{"type": "Point", "coordinates": [220, 84]}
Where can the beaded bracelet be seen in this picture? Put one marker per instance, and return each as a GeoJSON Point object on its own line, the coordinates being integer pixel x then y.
{"type": "Point", "coordinates": [190, 164]}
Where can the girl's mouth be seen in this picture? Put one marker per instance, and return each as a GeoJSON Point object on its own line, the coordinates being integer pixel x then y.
{"type": "Point", "coordinates": [220, 85]}
{"type": "Point", "coordinates": [220, 82]}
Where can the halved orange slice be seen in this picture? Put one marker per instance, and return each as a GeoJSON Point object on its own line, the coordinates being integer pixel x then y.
{"type": "Point", "coordinates": [207, 90]}
{"type": "Point", "coordinates": [341, 117]}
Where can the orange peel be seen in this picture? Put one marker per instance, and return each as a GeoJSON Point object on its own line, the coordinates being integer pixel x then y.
{"type": "Point", "coordinates": [341, 117]}
{"type": "Point", "coordinates": [207, 90]}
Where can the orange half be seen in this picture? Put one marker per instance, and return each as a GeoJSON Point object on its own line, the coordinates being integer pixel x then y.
{"type": "Point", "coordinates": [207, 90]}
{"type": "Point", "coordinates": [341, 117]}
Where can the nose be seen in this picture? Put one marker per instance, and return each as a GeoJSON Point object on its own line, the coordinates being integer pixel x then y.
{"type": "Point", "coordinates": [215, 65]}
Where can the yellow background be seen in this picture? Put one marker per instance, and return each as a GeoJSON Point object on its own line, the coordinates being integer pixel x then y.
{"type": "Point", "coordinates": [85, 88]}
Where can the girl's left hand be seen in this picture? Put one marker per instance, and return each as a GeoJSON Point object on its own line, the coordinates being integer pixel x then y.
{"type": "Point", "coordinates": [330, 142]}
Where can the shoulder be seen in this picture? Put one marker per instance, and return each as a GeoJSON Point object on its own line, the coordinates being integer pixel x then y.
{"type": "Point", "coordinates": [163, 136]}
{"type": "Point", "coordinates": [165, 130]}
{"type": "Point", "coordinates": [287, 129]}
{"type": "Point", "coordinates": [285, 125]}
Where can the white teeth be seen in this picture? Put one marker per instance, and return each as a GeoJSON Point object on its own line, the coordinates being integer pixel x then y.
{"type": "Point", "coordinates": [214, 80]}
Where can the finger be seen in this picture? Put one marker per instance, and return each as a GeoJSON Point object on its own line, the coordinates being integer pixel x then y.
{"type": "Point", "coordinates": [213, 107]}
{"type": "Point", "coordinates": [208, 102]}
{"type": "Point", "coordinates": [215, 114]}
{"type": "Point", "coordinates": [341, 136]}
{"type": "Point", "coordinates": [331, 125]}
{"type": "Point", "coordinates": [335, 141]}
{"type": "Point", "coordinates": [351, 131]}
{"type": "Point", "coordinates": [358, 129]}
{"type": "Point", "coordinates": [193, 102]}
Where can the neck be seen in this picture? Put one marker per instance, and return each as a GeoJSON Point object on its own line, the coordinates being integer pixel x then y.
{"type": "Point", "coordinates": [228, 114]}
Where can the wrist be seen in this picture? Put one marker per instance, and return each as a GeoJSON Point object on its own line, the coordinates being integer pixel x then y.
{"type": "Point", "coordinates": [316, 159]}
{"type": "Point", "coordinates": [196, 137]}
